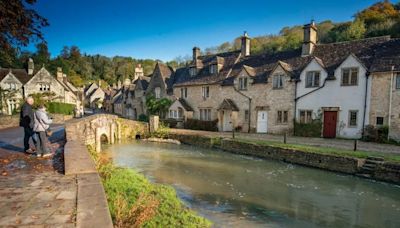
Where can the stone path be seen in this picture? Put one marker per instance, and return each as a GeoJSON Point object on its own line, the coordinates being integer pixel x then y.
{"type": "Point", "coordinates": [33, 191]}
{"type": "Point", "coordinates": [320, 142]}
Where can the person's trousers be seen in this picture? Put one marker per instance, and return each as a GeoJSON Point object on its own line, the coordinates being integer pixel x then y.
{"type": "Point", "coordinates": [41, 143]}
{"type": "Point", "coordinates": [28, 133]}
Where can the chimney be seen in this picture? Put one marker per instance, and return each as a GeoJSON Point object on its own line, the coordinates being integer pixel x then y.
{"type": "Point", "coordinates": [245, 46]}
{"type": "Point", "coordinates": [310, 38]}
{"type": "Point", "coordinates": [196, 55]}
{"type": "Point", "coordinates": [59, 74]}
{"type": "Point", "coordinates": [31, 66]}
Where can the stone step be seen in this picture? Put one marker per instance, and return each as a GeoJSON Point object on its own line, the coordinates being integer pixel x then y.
{"type": "Point", "coordinates": [364, 175]}
{"type": "Point", "coordinates": [367, 169]}
{"type": "Point", "coordinates": [373, 162]}
{"type": "Point", "coordinates": [369, 165]}
{"type": "Point", "coordinates": [375, 158]}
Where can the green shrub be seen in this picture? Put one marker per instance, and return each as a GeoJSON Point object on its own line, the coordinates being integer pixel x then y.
{"type": "Point", "coordinates": [162, 131]}
{"type": "Point", "coordinates": [136, 202]}
{"type": "Point", "coordinates": [201, 125]}
{"type": "Point", "coordinates": [143, 118]}
{"type": "Point", "coordinates": [376, 134]}
{"type": "Point", "coordinates": [312, 129]}
{"type": "Point", "coordinates": [60, 108]}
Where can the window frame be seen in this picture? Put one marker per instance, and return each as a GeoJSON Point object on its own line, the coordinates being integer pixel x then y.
{"type": "Point", "coordinates": [246, 115]}
{"type": "Point", "coordinates": [279, 78]}
{"type": "Point", "coordinates": [205, 114]}
{"type": "Point", "coordinates": [379, 124]}
{"type": "Point", "coordinates": [243, 83]}
{"type": "Point", "coordinates": [308, 113]}
{"type": "Point", "coordinates": [349, 123]}
{"type": "Point", "coordinates": [350, 76]}
{"type": "Point", "coordinates": [205, 92]}
{"type": "Point", "coordinates": [157, 92]}
{"type": "Point", "coordinates": [313, 79]}
{"type": "Point", "coordinates": [213, 69]}
{"type": "Point", "coordinates": [398, 81]}
{"type": "Point", "coordinates": [282, 117]}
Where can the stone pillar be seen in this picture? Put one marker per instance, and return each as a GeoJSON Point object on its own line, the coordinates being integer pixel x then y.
{"type": "Point", "coordinates": [154, 122]}
{"type": "Point", "coordinates": [98, 140]}
{"type": "Point", "coordinates": [112, 132]}
{"type": "Point", "coordinates": [119, 136]}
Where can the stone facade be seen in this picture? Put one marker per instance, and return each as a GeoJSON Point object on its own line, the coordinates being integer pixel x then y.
{"type": "Point", "coordinates": [12, 90]}
{"type": "Point", "coordinates": [385, 99]}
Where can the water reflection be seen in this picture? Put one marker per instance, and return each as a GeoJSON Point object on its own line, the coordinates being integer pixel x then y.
{"type": "Point", "coordinates": [241, 191]}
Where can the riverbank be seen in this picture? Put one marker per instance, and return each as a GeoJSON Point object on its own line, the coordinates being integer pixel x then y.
{"type": "Point", "coordinates": [356, 163]}
{"type": "Point", "coordinates": [135, 202]}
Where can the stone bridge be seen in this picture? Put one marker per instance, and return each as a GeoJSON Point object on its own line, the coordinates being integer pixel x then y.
{"type": "Point", "coordinates": [103, 128]}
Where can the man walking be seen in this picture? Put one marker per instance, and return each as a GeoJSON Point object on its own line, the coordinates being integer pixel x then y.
{"type": "Point", "coordinates": [26, 121]}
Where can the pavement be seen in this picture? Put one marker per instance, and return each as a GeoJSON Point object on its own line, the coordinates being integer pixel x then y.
{"type": "Point", "coordinates": [34, 192]}
{"type": "Point", "coordinates": [345, 144]}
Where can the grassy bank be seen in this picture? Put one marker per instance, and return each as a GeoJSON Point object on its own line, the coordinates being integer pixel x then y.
{"type": "Point", "coordinates": [324, 150]}
{"type": "Point", "coordinates": [136, 202]}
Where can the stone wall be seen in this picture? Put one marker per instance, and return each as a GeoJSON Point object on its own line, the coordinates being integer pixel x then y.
{"type": "Point", "coordinates": [388, 172]}
{"type": "Point", "coordinates": [13, 121]}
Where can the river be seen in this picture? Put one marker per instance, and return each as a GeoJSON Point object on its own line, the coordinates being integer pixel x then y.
{"type": "Point", "coordinates": [242, 191]}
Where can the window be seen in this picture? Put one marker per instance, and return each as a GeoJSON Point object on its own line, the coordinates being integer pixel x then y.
{"type": "Point", "coordinates": [277, 82]}
{"type": "Point", "coordinates": [205, 91]}
{"type": "Point", "coordinates": [243, 83]}
{"type": "Point", "coordinates": [398, 81]}
{"type": "Point", "coordinates": [312, 79]}
{"type": "Point", "coordinates": [350, 77]}
{"type": "Point", "coordinates": [157, 92]}
{"type": "Point", "coordinates": [192, 71]}
{"type": "Point", "coordinates": [44, 87]}
{"type": "Point", "coordinates": [246, 115]}
{"type": "Point", "coordinates": [282, 117]}
{"type": "Point", "coordinates": [379, 120]}
{"type": "Point", "coordinates": [205, 114]}
{"type": "Point", "coordinates": [213, 69]}
{"type": "Point", "coordinates": [305, 116]}
{"type": "Point", "coordinates": [184, 92]}
{"type": "Point", "coordinates": [353, 118]}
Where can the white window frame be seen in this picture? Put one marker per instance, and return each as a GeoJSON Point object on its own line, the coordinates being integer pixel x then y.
{"type": "Point", "coordinates": [278, 81]}
{"type": "Point", "coordinates": [307, 116]}
{"type": "Point", "coordinates": [243, 83]}
{"type": "Point", "coordinates": [352, 72]}
{"type": "Point", "coordinates": [350, 115]}
{"type": "Point", "coordinates": [311, 77]}
{"type": "Point", "coordinates": [205, 92]}
{"type": "Point", "coordinates": [157, 92]}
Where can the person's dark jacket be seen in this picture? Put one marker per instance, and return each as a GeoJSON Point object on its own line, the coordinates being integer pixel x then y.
{"type": "Point", "coordinates": [26, 116]}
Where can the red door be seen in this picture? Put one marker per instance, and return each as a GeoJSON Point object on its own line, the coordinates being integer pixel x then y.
{"type": "Point", "coordinates": [330, 119]}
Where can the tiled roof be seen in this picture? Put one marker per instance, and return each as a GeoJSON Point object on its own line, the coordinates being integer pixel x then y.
{"type": "Point", "coordinates": [185, 105]}
{"type": "Point", "coordinates": [20, 74]}
{"type": "Point", "coordinates": [376, 54]}
{"type": "Point", "coordinates": [228, 104]}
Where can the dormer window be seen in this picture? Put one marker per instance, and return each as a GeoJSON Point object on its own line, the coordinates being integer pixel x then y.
{"type": "Point", "coordinates": [350, 76]}
{"type": "Point", "coordinates": [312, 79]}
{"type": "Point", "coordinates": [277, 81]}
{"type": "Point", "coordinates": [192, 71]}
{"type": "Point", "coordinates": [213, 69]}
{"type": "Point", "coordinates": [157, 92]}
{"type": "Point", "coordinates": [243, 83]}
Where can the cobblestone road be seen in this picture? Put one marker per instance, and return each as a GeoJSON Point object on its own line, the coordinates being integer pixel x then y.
{"type": "Point", "coordinates": [33, 191]}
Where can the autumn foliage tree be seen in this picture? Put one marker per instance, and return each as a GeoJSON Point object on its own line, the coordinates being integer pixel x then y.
{"type": "Point", "coordinates": [19, 23]}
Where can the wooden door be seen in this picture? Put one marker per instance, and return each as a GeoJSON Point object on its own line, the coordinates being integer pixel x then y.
{"type": "Point", "coordinates": [330, 121]}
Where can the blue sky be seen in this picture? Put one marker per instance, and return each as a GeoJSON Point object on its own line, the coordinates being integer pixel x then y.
{"type": "Point", "coordinates": [160, 29]}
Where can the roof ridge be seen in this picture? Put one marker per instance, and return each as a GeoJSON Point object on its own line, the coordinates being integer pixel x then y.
{"type": "Point", "coordinates": [357, 40]}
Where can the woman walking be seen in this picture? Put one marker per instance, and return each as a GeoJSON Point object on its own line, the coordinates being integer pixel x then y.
{"type": "Point", "coordinates": [41, 125]}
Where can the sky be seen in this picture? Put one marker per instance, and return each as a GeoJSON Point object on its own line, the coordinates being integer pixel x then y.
{"type": "Point", "coordinates": [158, 29]}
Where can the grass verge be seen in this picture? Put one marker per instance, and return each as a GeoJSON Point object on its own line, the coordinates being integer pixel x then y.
{"type": "Point", "coordinates": [136, 202]}
{"type": "Point", "coordinates": [324, 150]}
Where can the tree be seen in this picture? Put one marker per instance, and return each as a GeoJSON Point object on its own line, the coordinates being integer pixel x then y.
{"type": "Point", "coordinates": [19, 24]}
{"type": "Point", "coordinates": [378, 12]}
{"type": "Point", "coordinates": [157, 106]}
{"type": "Point", "coordinates": [355, 31]}
{"type": "Point", "coordinates": [42, 55]}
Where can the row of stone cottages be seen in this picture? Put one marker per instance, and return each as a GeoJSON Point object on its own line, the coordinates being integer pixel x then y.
{"type": "Point", "coordinates": [17, 84]}
{"type": "Point", "coordinates": [346, 85]}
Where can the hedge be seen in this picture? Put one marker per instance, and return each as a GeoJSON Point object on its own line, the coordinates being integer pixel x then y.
{"type": "Point", "coordinates": [60, 108]}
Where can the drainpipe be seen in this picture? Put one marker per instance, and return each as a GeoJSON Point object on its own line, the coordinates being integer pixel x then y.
{"type": "Point", "coordinates": [390, 101]}
{"type": "Point", "coordinates": [248, 97]}
{"type": "Point", "coordinates": [295, 107]}
{"type": "Point", "coordinates": [365, 103]}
